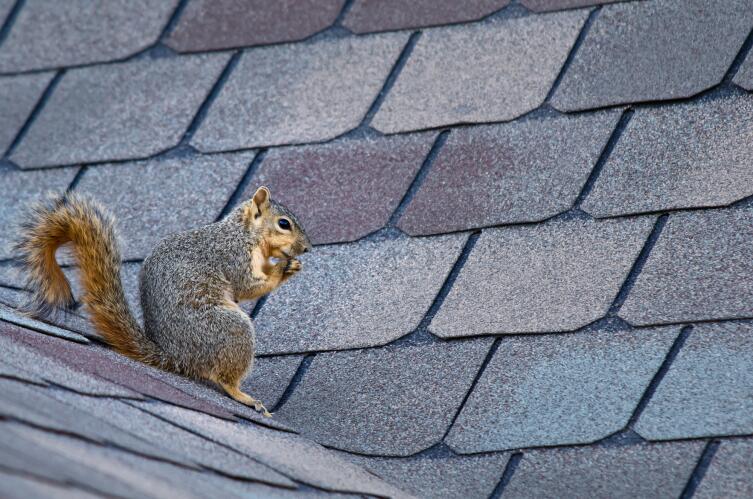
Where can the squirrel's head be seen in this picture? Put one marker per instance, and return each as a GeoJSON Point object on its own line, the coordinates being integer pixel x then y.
{"type": "Point", "coordinates": [279, 228]}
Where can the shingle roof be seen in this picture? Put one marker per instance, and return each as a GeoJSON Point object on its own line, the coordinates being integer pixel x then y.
{"type": "Point", "coordinates": [533, 261]}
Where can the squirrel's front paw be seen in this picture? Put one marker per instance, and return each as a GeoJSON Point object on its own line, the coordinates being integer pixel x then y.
{"type": "Point", "coordinates": [292, 267]}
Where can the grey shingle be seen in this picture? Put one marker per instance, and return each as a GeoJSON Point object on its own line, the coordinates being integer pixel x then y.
{"type": "Point", "coordinates": [700, 268]}
{"type": "Point", "coordinates": [18, 96]}
{"type": "Point", "coordinates": [643, 51]}
{"type": "Point", "coordinates": [387, 401]}
{"type": "Point", "coordinates": [298, 93]}
{"type": "Point", "coordinates": [519, 172]}
{"type": "Point", "coordinates": [311, 180]}
{"type": "Point", "coordinates": [119, 111]}
{"type": "Point", "coordinates": [605, 472]}
{"type": "Point", "coordinates": [683, 156]}
{"type": "Point", "coordinates": [439, 477]}
{"type": "Point", "coordinates": [356, 295]}
{"type": "Point", "coordinates": [559, 389]}
{"type": "Point", "coordinates": [5, 7]}
{"type": "Point", "coordinates": [12, 316]}
{"type": "Point", "coordinates": [385, 15]}
{"type": "Point", "coordinates": [548, 5]}
{"type": "Point", "coordinates": [154, 198]}
{"type": "Point", "coordinates": [26, 358]}
{"type": "Point", "coordinates": [53, 34]}
{"type": "Point", "coordinates": [729, 473]}
{"type": "Point", "coordinates": [708, 389]}
{"type": "Point", "coordinates": [744, 76]}
{"type": "Point", "coordinates": [557, 276]}
{"type": "Point", "coordinates": [270, 377]}
{"type": "Point", "coordinates": [434, 88]}
{"type": "Point", "coordinates": [185, 447]}
{"type": "Point", "coordinates": [19, 487]}
{"type": "Point", "coordinates": [289, 454]}
{"type": "Point", "coordinates": [20, 189]}
{"type": "Point", "coordinates": [218, 24]}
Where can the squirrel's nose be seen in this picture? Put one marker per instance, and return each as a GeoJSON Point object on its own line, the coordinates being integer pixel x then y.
{"type": "Point", "coordinates": [306, 249]}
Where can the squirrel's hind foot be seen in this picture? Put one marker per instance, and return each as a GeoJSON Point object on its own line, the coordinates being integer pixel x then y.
{"type": "Point", "coordinates": [245, 399]}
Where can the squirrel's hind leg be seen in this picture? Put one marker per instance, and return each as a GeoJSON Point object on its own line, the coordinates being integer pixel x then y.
{"type": "Point", "coordinates": [233, 389]}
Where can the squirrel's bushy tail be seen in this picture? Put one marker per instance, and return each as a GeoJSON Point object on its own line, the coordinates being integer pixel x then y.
{"type": "Point", "coordinates": [73, 219]}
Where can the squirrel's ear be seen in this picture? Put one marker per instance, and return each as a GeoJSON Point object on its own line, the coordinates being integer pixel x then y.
{"type": "Point", "coordinates": [254, 208]}
{"type": "Point", "coordinates": [261, 198]}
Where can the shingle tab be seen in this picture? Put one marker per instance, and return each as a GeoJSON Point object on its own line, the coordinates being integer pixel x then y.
{"type": "Point", "coordinates": [19, 487]}
{"type": "Point", "coordinates": [18, 96]}
{"type": "Point", "coordinates": [439, 477]}
{"type": "Point", "coordinates": [192, 192]}
{"type": "Point", "coordinates": [220, 24]}
{"type": "Point", "coordinates": [293, 94]}
{"type": "Point", "coordinates": [701, 268]}
{"type": "Point", "coordinates": [682, 156]}
{"type": "Point", "coordinates": [519, 172]}
{"type": "Point", "coordinates": [356, 295]}
{"type": "Point", "coordinates": [392, 401]}
{"type": "Point", "coordinates": [12, 316]}
{"type": "Point", "coordinates": [270, 377]}
{"type": "Point", "coordinates": [549, 5]}
{"type": "Point", "coordinates": [644, 51]}
{"type": "Point", "coordinates": [54, 34]}
{"type": "Point", "coordinates": [291, 455]}
{"type": "Point", "coordinates": [729, 473]}
{"type": "Point", "coordinates": [744, 76]}
{"type": "Point", "coordinates": [186, 447]}
{"type": "Point", "coordinates": [21, 189]}
{"type": "Point", "coordinates": [557, 276]}
{"type": "Point", "coordinates": [311, 181]}
{"type": "Point", "coordinates": [433, 88]}
{"type": "Point", "coordinates": [559, 389]}
{"type": "Point", "coordinates": [384, 15]}
{"type": "Point", "coordinates": [605, 472]}
{"type": "Point", "coordinates": [119, 111]}
{"type": "Point", "coordinates": [708, 389]}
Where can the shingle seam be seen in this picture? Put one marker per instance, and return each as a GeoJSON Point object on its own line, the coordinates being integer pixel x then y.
{"type": "Point", "coordinates": [245, 180]}
{"type": "Point", "coordinates": [472, 387]}
{"type": "Point", "coordinates": [211, 96]}
{"type": "Point", "coordinates": [76, 179]}
{"type": "Point", "coordinates": [507, 474]}
{"type": "Point", "coordinates": [700, 469]}
{"type": "Point", "coordinates": [394, 73]}
{"type": "Point", "coordinates": [303, 367]}
{"type": "Point", "coordinates": [674, 350]}
{"type": "Point", "coordinates": [10, 20]}
{"type": "Point", "coordinates": [343, 12]}
{"type": "Point", "coordinates": [418, 180]}
{"type": "Point", "coordinates": [637, 266]}
{"type": "Point", "coordinates": [173, 21]}
{"type": "Point", "coordinates": [573, 50]}
{"type": "Point", "coordinates": [41, 102]}
{"type": "Point", "coordinates": [742, 54]}
{"type": "Point", "coordinates": [73, 486]}
{"type": "Point", "coordinates": [606, 152]}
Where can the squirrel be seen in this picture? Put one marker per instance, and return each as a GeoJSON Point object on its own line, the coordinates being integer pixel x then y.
{"type": "Point", "coordinates": [190, 285]}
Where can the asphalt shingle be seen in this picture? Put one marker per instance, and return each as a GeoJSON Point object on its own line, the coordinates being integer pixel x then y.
{"type": "Point", "coordinates": [518, 172]}
{"type": "Point", "coordinates": [683, 156]}
{"type": "Point", "coordinates": [557, 390]}
{"type": "Point", "coordinates": [20, 487]}
{"type": "Point", "coordinates": [298, 93]}
{"type": "Point", "coordinates": [379, 15]}
{"type": "Point", "coordinates": [54, 34]}
{"type": "Point", "coordinates": [645, 51]}
{"type": "Point", "coordinates": [549, 5]}
{"type": "Point", "coordinates": [5, 7]}
{"type": "Point", "coordinates": [312, 180]}
{"type": "Point", "coordinates": [120, 111]}
{"type": "Point", "coordinates": [729, 474]}
{"type": "Point", "coordinates": [213, 24]}
{"type": "Point", "coordinates": [184, 447]}
{"type": "Point", "coordinates": [21, 189]}
{"type": "Point", "coordinates": [557, 276]}
{"type": "Point", "coordinates": [607, 472]}
{"type": "Point", "coordinates": [701, 268]}
{"type": "Point", "coordinates": [392, 401]}
{"type": "Point", "coordinates": [744, 76]}
{"type": "Point", "coordinates": [439, 477]}
{"type": "Point", "coordinates": [27, 359]}
{"type": "Point", "coordinates": [708, 389]}
{"type": "Point", "coordinates": [270, 377]}
{"type": "Point", "coordinates": [357, 295]}
{"type": "Point", "coordinates": [433, 87]}
{"type": "Point", "coordinates": [291, 455]}
{"type": "Point", "coordinates": [192, 192]}
{"type": "Point", "coordinates": [12, 316]}
{"type": "Point", "coordinates": [18, 96]}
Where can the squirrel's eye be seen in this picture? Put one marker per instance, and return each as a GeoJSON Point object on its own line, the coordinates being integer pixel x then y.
{"type": "Point", "coordinates": [284, 223]}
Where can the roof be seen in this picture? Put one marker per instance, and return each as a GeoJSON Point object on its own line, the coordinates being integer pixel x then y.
{"type": "Point", "coordinates": [533, 272]}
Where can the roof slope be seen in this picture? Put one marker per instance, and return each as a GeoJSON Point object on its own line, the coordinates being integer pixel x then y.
{"type": "Point", "coordinates": [533, 273]}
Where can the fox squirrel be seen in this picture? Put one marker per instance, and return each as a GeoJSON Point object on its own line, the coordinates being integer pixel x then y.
{"type": "Point", "coordinates": [189, 285]}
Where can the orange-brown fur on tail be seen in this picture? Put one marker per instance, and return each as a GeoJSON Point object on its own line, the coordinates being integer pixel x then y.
{"type": "Point", "coordinates": [90, 230]}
